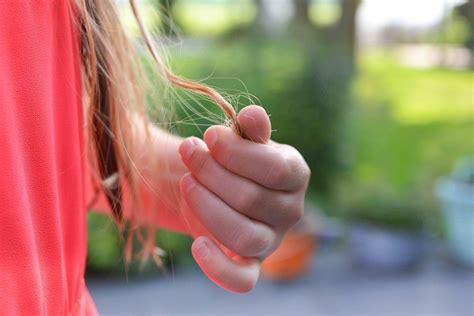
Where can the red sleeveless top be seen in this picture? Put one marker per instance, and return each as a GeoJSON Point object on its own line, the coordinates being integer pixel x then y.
{"type": "Point", "coordinates": [42, 162]}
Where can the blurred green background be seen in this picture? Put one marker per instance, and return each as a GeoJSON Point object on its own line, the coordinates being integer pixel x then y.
{"type": "Point", "coordinates": [378, 111]}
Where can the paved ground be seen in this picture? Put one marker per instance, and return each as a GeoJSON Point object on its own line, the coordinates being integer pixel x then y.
{"type": "Point", "coordinates": [331, 288]}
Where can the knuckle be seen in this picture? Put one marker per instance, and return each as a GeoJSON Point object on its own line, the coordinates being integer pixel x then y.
{"type": "Point", "coordinates": [302, 166]}
{"type": "Point", "coordinates": [249, 242]}
{"type": "Point", "coordinates": [294, 215]}
{"type": "Point", "coordinates": [290, 170]}
{"type": "Point", "coordinates": [294, 164]}
{"type": "Point", "coordinates": [306, 172]}
{"type": "Point", "coordinates": [279, 173]}
{"type": "Point", "coordinates": [250, 200]}
{"type": "Point", "coordinates": [243, 241]}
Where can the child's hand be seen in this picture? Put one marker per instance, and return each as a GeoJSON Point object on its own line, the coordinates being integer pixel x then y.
{"type": "Point", "coordinates": [241, 197]}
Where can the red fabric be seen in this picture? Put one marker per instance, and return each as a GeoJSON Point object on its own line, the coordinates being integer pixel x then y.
{"type": "Point", "coordinates": [42, 199]}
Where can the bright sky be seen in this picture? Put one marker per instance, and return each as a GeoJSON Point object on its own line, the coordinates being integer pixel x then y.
{"type": "Point", "coordinates": [374, 14]}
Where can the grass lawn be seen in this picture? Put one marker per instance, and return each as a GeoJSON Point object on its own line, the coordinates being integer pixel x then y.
{"type": "Point", "coordinates": [411, 124]}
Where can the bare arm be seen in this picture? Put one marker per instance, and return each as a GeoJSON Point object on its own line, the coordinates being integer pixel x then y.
{"type": "Point", "coordinates": [159, 182]}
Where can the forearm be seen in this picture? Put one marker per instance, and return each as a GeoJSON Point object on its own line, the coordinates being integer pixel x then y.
{"type": "Point", "coordinates": [160, 169]}
{"type": "Point", "coordinates": [163, 175]}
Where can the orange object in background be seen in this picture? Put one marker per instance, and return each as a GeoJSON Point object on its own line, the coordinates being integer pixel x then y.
{"type": "Point", "coordinates": [294, 256]}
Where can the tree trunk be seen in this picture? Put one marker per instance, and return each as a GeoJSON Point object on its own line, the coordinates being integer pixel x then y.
{"type": "Point", "coordinates": [301, 17]}
{"type": "Point", "coordinates": [347, 27]}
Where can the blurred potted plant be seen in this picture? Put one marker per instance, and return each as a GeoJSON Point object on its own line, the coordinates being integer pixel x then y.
{"type": "Point", "coordinates": [294, 255]}
{"type": "Point", "coordinates": [386, 232]}
{"type": "Point", "coordinates": [456, 194]}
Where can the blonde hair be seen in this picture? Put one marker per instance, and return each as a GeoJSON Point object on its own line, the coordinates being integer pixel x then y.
{"type": "Point", "coordinates": [113, 99]}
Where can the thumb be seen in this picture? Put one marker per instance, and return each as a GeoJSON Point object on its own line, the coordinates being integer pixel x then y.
{"type": "Point", "coordinates": [255, 124]}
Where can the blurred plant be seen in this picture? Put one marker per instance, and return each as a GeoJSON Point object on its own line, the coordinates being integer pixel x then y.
{"type": "Point", "coordinates": [105, 249]}
{"type": "Point", "coordinates": [103, 243]}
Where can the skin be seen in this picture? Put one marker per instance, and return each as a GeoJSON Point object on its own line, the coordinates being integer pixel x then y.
{"type": "Point", "coordinates": [237, 197]}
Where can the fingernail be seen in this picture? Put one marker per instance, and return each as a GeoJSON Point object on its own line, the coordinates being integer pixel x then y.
{"type": "Point", "coordinates": [201, 248]}
{"type": "Point", "coordinates": [187, 148]}
{"type": "Point", "coordinates": [188, 182]}
{"type": "Point", "coordinates": [211, 138]}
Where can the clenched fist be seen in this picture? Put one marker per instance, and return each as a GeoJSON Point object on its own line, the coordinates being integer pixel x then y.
{"type": "Point", "coordinates": [241, 196]}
